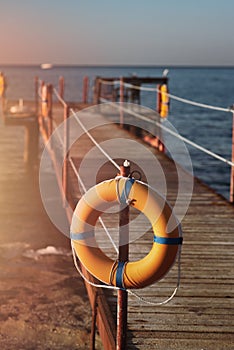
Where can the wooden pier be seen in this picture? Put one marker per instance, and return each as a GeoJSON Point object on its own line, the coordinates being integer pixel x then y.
{"type": "Point", "coordinates": [201, 316]}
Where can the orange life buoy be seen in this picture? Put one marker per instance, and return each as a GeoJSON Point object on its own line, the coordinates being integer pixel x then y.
{"type": "Point", "coordinates": [137, 274]}
{"type": "Point", "coordinates": [164, 108]}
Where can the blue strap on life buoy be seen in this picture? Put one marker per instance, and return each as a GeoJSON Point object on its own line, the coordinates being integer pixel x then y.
{"type": "Point", "coordinates": [127, 188]}
{"type": "Point", "coordinates": [81, 236]}
{"type": "Point", "coordinates": [168, 240]}
{"type": "Point", "coordinates": [119, 274]}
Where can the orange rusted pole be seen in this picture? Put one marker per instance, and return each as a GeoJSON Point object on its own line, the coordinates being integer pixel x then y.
{"type": "Point", "coordinates": [36, 84]}
{"type": "Point", "coordinates": [85, 89]}
{"type": "Point", "coordinates": [159, 99]}
{"type": "Point", "coordinates": [160, 144]}
{"type": "Point", "coordinates": [122, 306]}
{"type": "Point", "coordinates": [50, 109]}
{"type": "Point", "coordinates": [121, 100]}
{"type": "Point", "coordinates": [94, 320]}
{"type": "Point", "coordinates": [97, 90]}
{"type": "Point", "coordinates": [65, 155]}
{"type": "Point", "coordinates": [3, 86]}
{"type": "Point", "coordinates": [61, 87]}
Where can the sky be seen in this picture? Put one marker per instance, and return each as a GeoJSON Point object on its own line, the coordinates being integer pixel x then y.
{"type": "Point", "coordinates": [120, 32]}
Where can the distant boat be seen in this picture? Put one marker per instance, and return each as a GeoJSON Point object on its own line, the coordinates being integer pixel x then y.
{"type": "Point", "coordinates": [46, 66]}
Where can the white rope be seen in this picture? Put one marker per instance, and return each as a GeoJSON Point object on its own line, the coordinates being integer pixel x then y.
{"type": "Point", "coordinates": [174, 97]}
{"type": "Point", "coordinates": [142, 299]}
{"type": "Point", "coordinates": [83, 276]}
{"type": "Point", "coordinates": [195, 145]}
{"type": "Point", "coordinates": [60, 99]}
{"type": "Point", "coordinates": [160, 303]}
{"type": "Point", "coordinates": [202, 105]}
{"type": "Point", "coordinates": [39, 88]}
{"type": "Point", "coordinates": [154, 122]}
{"type": "Point", "coordinates": [180, 99]}
{"type": "Point", "coordinates": [100, 219]}
{"type": "Point", "coordinates": [136, 87]}
{"type": "Point", "coordinates": [94, 141]}
{"type": "Point", "coordinates": [77, 175]}
{"type": "Point", "coordinates": [108, 82]}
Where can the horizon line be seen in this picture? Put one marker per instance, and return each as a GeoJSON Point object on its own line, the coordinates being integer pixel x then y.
{"type": "Point", "coordinates": [71, 65]}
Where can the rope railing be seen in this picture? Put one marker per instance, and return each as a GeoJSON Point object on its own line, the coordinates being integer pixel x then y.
{"type": "Point", "coordinates": [160, 125]}
{"type": "Point", "coordinates": [154, 122]}
{"type": "Point", "coordinates": [172, 96]}
{"type": "Point", "coordinates": [94, 141]}
{"type": "Point", "coordinates": [65, 105]}
{"type": "Point", "coordinates": [60, 99]}
{"type": "Point", "coordinates": [85, 190]}
{"type": "Point", "coordinates": [108, 82]}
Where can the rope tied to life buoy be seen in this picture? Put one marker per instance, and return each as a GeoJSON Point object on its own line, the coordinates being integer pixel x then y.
{"type": "Point", "coordinates": [129, 275]}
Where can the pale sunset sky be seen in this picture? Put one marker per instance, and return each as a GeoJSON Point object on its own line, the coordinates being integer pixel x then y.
{"type": "Point", "coordinates": [131, 32]}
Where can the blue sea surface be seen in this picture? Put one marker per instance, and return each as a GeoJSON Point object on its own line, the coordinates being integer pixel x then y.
{"type": "Point", "coordinates": [208, 128]}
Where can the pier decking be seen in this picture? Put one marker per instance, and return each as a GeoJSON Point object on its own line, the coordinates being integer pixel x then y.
{"type": "Point", "coordinates": [201, 314]}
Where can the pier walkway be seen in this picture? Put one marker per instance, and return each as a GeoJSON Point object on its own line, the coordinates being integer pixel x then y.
{"type": "Point", "coordinates": [201, 315]}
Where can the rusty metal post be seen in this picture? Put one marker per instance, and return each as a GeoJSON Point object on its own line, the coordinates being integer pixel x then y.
{"type": "Point", "coordinates": [121, 100]}
{"type": "Point", "coordinates": [232, 167]}
{"type": "Point", "coordinates": [122, 306]}
{"type": "Point", "coordinates": [3, 86]}
{"type": "Point", "coordinates": [36, 85]}
{"type": "Point", "coordinates": [94, 320]}
{"type": "Point", "coordinates": [85, 89]}
{"type": "Point", "coordinates": [65, 154]}
{"type": "Point", "coordinates": [160, 144]}
{"type": "Point", "coordinates": [159, 99]}
{"type": "Point", "coordinates": [61, 87]}
{"type": "Point", "coordinates": [97, 93]}
{"type": "Point", "coordinates": [50, 109]}
{"type": "Point", "coordinates": [42, 106]}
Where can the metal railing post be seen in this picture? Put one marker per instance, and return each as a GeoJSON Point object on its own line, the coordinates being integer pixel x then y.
{"type": "Point", "coordinates": [160, 144]}
{"type": "Point", "coordinates": [121, 100]}
{"type": "Point", "coordinates": [50, 109]}
{"type": "Point", "coordinates": [61, 87]}
{"type": "Point", "coordinates": [65, 154]}
{"type": "Point", "coordinates": [85, 89]}
{"type": "Point", "coordinates": [36, 85]}
{"type": "Point", "coordinates": [122, 305]}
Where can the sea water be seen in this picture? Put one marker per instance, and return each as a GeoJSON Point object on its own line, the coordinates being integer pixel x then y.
{"type": "Point", "coordinates": [208, 128]}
